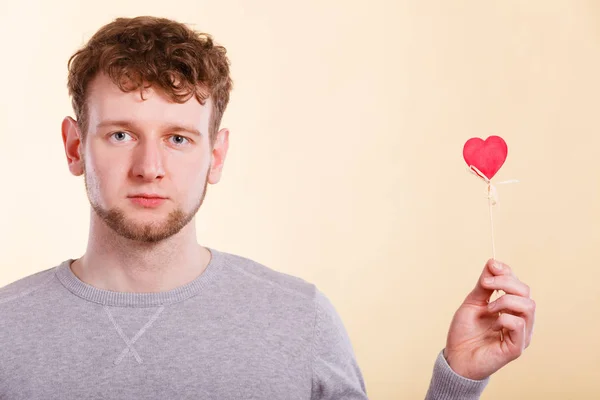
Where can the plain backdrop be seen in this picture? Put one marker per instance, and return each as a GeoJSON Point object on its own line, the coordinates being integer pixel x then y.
{"type": "Point", "coordinates": [345, 165]}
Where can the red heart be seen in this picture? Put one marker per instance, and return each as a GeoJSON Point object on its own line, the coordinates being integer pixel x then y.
{"type": "Point", "coordinates": [486, 156]}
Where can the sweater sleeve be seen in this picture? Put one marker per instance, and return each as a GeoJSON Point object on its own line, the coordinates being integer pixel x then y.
{"type": "Point", "coordinates": [448, 385]}
{"type": "Point", "coordinates": [335, 372]}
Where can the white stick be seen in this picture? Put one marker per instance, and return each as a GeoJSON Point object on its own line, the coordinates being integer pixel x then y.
{"type": "Point", "coordinates": [493, 241]}
{"type": "Point", "coordinates": [491, 222]}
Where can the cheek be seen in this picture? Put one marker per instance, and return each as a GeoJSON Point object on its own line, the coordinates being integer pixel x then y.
{"type": "Point", "coordinates": [104, 177]}
{"type": "Point", "coordinates": [190, 183]}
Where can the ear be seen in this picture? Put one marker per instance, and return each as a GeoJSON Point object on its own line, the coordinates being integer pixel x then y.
{"type": "Point", "coordinates": [219, 152]}
{"type": "Point", "coordinates": [72, 141]}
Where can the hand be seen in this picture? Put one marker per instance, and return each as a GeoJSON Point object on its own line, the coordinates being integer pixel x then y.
{"type": "Point", "coordinates": [474, 348]}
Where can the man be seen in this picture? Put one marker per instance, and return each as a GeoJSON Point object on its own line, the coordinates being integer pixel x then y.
{"type": "Point", "coordinates": [147, 312]}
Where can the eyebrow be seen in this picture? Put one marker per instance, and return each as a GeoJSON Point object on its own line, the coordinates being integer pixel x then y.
{"type": "Point", "coordinates": [131, 126]}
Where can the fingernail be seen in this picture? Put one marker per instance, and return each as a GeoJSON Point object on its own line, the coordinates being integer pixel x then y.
{"type": "Point", "coordinates": [492, 305]}
{"type": "Point", "coordinates": [489, 279]}
{"type": "Point", "coordinates": [497, 265]}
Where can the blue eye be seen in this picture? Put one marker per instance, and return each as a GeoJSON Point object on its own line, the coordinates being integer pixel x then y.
{"type": "Point", "coordinates": [178, 142]}
{"type": "Point", "coordinates": [121, 134]}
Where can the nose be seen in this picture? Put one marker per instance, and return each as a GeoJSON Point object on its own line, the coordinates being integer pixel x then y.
{"type": "Point", "coordinates": [147, 161]}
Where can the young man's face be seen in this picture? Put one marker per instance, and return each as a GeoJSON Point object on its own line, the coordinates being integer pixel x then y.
{"type": "Point", "coordinates": [140, 147]}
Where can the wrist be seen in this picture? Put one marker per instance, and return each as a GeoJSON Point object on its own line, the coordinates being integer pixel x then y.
{"type": "Point", "coordinates": [450, 361]}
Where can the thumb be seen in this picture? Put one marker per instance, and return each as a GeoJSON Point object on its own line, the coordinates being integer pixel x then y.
{"type": "Point", "coordinates": [480, 294]}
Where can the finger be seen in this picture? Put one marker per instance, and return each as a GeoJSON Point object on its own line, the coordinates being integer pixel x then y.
{"type": "Point", "coordinates": [515, 339]}
{"type": "Point", "coordinates": [520, 306]}
{"type": "Point", "coordinates": [509, 284]}
{"type": "Point", "coordinates": [481, 294]}
{"type": "Point", "coordinates": [499, 268]}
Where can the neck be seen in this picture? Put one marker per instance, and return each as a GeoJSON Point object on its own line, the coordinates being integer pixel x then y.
{"type": "Point", "coordinates": [112, 262]}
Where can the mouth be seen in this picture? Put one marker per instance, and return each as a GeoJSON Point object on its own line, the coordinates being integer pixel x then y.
{"type": "Point", "coordinates": [147, 200]}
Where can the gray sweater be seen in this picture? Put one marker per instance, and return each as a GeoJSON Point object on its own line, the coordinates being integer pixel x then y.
{"type": "Point", "coordinates": [238, 331]}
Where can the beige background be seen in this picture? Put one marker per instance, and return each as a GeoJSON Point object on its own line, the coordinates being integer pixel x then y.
{"type": "Point", "coordinates": [345, 166]}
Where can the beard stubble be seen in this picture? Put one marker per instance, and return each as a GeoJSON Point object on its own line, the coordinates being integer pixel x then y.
{"type": "Point", "coordinates": [151, 232]}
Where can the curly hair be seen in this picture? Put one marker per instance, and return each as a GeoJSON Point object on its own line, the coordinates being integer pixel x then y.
{"type": "Point", "coordinates": [145, 51]}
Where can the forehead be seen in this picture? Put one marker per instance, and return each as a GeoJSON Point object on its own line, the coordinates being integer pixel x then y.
{"type": "Point", "coordinates": [106, 100]}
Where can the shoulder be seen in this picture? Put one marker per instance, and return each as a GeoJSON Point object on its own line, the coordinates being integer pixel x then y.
{"type": "Point", "coordinates": [258, 275]}
{"type": "Point", "coordinates": [26, 286]}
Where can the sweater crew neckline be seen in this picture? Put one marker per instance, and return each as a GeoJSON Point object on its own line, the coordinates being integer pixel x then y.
{"type": "Point", "coordinates": [133, 299]}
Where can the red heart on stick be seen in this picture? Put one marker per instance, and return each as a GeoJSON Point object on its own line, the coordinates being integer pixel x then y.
{"type": "Point", "coordinates": [487, 156]}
